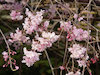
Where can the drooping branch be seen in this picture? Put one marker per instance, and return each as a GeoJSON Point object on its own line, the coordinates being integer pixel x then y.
{"type": "Point", "coordinates": [87, 1]}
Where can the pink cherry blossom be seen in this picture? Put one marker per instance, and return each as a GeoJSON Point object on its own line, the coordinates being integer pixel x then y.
{"type": "Point", "coordinates": [16, 15]}
{"type": "Point", "coordinates": [43, 44]}
{"type": "Point", "coordinates": [80, 18]}
{"type": "Point", "coordinates": [32, 22]}
{"type": "Point", "coordinates": [62, 67]}
{"type": "Point", "coordinates": [35, 45]}
{"type": "Point", "coordinates": [65, 25]}
{"type": "Point", "coordinates": [81, 63]}
{"type": "Point", "coordinates": [73, 32]}
{"type": "Point", "coordinates": [77, 51]}
{"type": "Point", "coordinates": [5, 55]}
{"type": "Point", "coordinates": [45, 41]}
{"type": "Point", "coordinates": [30, 57]}
{"type": "Point", "coordinates": [75, 16]}
{"type": "Point", "coordinates": [46, 24]}
{"type": "Point", "coordinates": [50, 36]}
{"type": "Point", "coordinates": [94, 60]}
{"type": "Point", "coordinates": [78, 34]}
{"type": "Point", "coordinates": [18, 36]}
{"type": "Point", "coordinates": [70, 37]}
{"type": "Point", "coordinates": [16, 67]}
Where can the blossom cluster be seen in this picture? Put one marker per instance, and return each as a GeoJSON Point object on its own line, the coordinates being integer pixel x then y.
{"type": "Point", "coordinates": [77, 51]}
{"type": "Point", "coordinates": [94, 60]}
{"type": "Point", "coordinates": [74, 33]}
{"type": "Point", "coordinates": [32, 22]}
{"type": "Point", "coordinates": [36, 29]}
{"type": "Point", "coordinates": [76, 16]}
{"type": "Point", "coordinates": [18, 36]}
{"type": "Point", "coordinates": [40, 45]}
{"type": "Point", "coordinates": [30, 57]}
{"type": "Point", "coordinates": [35, 36]}
{"type": "Point", "coordinates": [43, 39]}
{"type": "Point", "coordinates": [83, 61]}
{"type": "Point", "coordinates": [6, 59]}
{"type": "Point", "coordinates": [16, 15]}
{"type": "Point", "coordinates": [5, 55]}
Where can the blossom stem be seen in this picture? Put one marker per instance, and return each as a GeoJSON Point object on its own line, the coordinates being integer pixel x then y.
{"type": "Point", "coordinates": [83, 70]}
{"type": "Point", "coordinates": [8, 50]}
{"type": "Point", "coordinates": [64, 58]}
{"type": "Point", "coordinates": [49, 62]}
{"type": "Point", "coordinates": [65, 51]}
{"type": "Point", "coordinates": [37, 5]}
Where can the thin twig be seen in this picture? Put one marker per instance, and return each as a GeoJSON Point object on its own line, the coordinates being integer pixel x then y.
{"type": "Point", "coordinates": [49, 62]}
{"type": "Point", "coordinates": [37, 5]}
{"type": "Point", "coordinates": [8, 50]}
